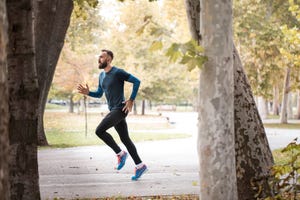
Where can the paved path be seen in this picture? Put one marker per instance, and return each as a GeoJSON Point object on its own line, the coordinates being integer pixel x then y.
{"type": "Point", "coordinates": [87, 172]}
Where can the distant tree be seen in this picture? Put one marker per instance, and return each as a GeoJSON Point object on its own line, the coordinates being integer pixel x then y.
{"type": "Point", "coordinates": [4, 119]}
{"type": "Point", "coordinates": [72, 68]}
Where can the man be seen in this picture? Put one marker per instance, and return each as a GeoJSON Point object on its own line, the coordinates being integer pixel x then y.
{"type": "Point", "coordinates": [111, 82]}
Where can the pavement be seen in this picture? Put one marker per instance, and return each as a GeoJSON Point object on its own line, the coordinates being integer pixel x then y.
{"type": "Point", "coordinates": [88, 172]}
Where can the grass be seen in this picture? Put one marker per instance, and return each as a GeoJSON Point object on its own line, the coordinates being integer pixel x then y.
{"type": "Point", "coordinates": [54, 106]}
{"type": "Point", "coordinates": [282, 126]}
{"type": "Point", "coordinates": [68, 129]}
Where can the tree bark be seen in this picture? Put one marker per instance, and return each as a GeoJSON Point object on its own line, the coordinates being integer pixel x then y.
{"type": "Point", "coordinates": [4, 117]}
{"type": "Point", "coordinates": [283, 114]}
{"type": "Point", "coordinates": [298, 104]}
{"type": "Point", "coordinates": [253, 155]}
{"type": "Point", "coordinates": [23, 102]}
{"type": "Point", "coordinates": [275, 106]}
{"type": "Point", "coordinates": [193, 10]}
{"type": "Point", "coordinates": [49, 40]}
{"type": "Point", "coordinates": [216, 99]}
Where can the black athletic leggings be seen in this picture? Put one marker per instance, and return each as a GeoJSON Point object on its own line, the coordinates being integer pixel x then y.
{"type": "Point", "coordinates": [116, 119]}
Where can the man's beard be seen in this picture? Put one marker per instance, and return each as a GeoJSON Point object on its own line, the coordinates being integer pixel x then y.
{"type": "Point", "coordinates": [103, 65]}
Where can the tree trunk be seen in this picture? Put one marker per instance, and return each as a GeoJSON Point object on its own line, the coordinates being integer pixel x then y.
{"type": "Point", "coordinates": [290, 106]}
{"type": "Point", "coordinates": [216, 125]}
{"type": "Point", "coordinates": [267, 107]}
{"type": "Point", "coordinates": [23, 102]}
{"type": "Point", "coordinates": [298, 104]}
{"type": "Point", "coordinates": [4, 117]}
{"type": "Point", "coordinates": [49, 40]}
{"type": "Point", "coordinates": [283, 115]}
{"type": "Point", "coordinates": [143, 107]}
{"type": "Point", "coordinates": [253, 155]}
{"type": "Point", "coordinates": [275, 106]}
{"type": "Point", "coordinates": [262, 107]}
{"type": "Point", "coordinates": [71, 106]}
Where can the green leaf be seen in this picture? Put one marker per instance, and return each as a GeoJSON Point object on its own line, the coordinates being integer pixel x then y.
{"type": "Point", "coordinates": [173, 52]}
{"type": "Point", "coordinates": [156, 45]}
{"type": "Point", "coordinates": [185, 59]}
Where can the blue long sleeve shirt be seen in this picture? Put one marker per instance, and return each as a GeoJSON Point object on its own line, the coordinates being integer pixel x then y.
{"type": "Point", "coordinates": [112, 85]}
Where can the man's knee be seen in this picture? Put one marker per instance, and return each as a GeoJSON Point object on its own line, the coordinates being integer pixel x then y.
{"type": "Point", "coordinates": [100, 131]}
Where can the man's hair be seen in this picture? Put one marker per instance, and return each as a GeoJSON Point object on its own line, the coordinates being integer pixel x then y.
{"type": "Point", "coordinates": [110, 53]}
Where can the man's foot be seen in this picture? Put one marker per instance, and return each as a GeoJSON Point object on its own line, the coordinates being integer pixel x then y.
{"type": "Point", "coordinates": [121, 160]}
{"type": "Point", "coordinates": [139, 172]}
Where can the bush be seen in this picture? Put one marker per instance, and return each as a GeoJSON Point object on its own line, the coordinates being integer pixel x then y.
{"type": "Point", "coordinates": [283, 182]}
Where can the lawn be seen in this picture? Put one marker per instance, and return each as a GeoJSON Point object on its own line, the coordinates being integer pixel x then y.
{"type": "Point", "coordinates": [282, 126]}
{"type": "Point", "coordinates": [68, 129]}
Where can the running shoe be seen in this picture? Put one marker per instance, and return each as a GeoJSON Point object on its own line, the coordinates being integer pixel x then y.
{"type": "Point", "coordinates": [139, 172]}
{"type": "Point", "coordinates": [121, 160]}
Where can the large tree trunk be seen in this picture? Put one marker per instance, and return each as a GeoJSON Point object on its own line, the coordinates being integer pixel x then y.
{"type": "Point", "coordinates": [216, 127]}
{"type": "Point", "coordinates": [275, 106]}
{"type": "Point", "coordinates": [298, 105]}
{"type": "Point", "coordinates": [286, 89]}
{"type": "Point", "coordinates": [49, 40]}
{"type": "Point", "coordinates": [253, 155]}
{"type": "Point", "coordinates": [23, 102]}
{"type": "Point", "coordinates": [4, 117]}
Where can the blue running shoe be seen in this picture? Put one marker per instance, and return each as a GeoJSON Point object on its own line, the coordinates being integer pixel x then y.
{"type": "Point", "coordinates": [122, 160]}
{"type": "Point", "coordinates": [139, 172]}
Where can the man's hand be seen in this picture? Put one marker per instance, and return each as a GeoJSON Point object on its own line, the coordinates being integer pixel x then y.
{"type": "Point", "coordinates": [83, 90]}
{"type": "Point", "coordinates": [128, 106]}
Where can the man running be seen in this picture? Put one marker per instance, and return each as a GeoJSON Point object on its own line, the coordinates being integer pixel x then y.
{"type": "Point", "coordinates": [111, 82]}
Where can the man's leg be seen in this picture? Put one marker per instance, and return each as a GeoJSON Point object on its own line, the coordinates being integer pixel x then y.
{"type": "Point", "coordinates": [110, 120]}
{"type": "Point", "coordinates": [122, 130]}
{"type": "Point", "coordinates": [140, 168]}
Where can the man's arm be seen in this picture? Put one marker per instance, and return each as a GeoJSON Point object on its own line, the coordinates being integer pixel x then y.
{"type": "Point", "coordinates": [136, 84]}
{"type": "Point", "coordinates": [97, 94]}
{"type": "Point", "coordinates": [86, 91]}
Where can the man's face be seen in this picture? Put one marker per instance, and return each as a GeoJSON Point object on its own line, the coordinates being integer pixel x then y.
{"type": "Point", "coordinates": [103, 60]}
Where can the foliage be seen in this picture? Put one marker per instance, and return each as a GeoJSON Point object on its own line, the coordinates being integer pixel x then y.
{"type": "Point", "coordinates": [190, 53]}
{"type": "Point", "coordinates": [85, 23]}
{"type": "Point", "coordinates": [133, 31]}
{"type": "Point", "coordinates": [81, 7]}
{"type": "Point", "coordinates": [284, 179]}
{"type": "Point", "coordinates": [258, 37]}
